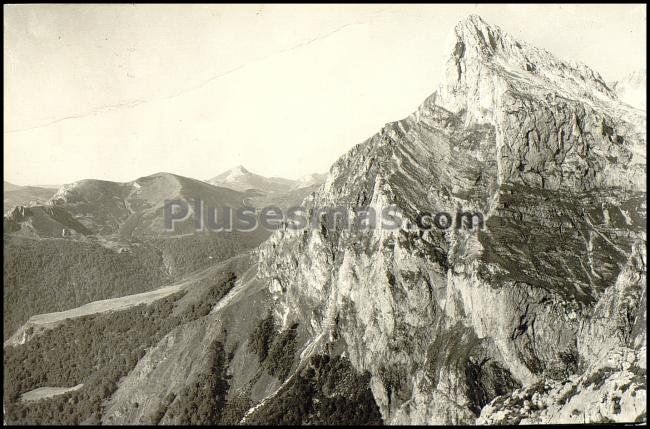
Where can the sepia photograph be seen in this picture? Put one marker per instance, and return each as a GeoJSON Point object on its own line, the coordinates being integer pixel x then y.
{"type": "Point", "coordinates": [324, 214]}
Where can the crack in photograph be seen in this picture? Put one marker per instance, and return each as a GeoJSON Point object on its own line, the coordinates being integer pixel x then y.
{"type": "Point", "coordinates": [336, 214]}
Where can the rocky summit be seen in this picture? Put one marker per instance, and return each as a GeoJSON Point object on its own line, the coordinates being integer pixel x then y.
{"type": "Point", "coordinates": [535, 316]}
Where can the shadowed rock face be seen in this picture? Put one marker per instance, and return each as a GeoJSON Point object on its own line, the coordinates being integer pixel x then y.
{"type": "Point", "coordinates": [445, 321]}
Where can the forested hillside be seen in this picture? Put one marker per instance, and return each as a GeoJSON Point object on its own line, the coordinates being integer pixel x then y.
{"type": "Point", "coordinates": [97, 351]}
{"type": "Point", "coordinates": [48, 275]}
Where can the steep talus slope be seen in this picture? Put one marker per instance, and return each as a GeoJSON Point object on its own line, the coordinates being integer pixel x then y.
{"type": "Point", "coordinates": [445, 320]}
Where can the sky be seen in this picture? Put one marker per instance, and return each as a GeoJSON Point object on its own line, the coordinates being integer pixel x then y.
{"type": "Point", "coordinates": [116, 92]}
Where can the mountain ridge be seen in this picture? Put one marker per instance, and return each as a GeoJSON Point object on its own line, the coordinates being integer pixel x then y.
{"type": "Point", "coordinates": [107, 208]}
{"type": "Point", "coordinates": [241, 179]}
{"type": "Point", "coordinates": [632, 88]}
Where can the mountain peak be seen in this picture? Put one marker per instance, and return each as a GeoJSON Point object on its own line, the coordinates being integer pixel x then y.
{"type": "Point", "coordinates": [473, 18]}
{"type": "Point", "coordinates": [477, 38]}
{"type": "Point", "coordinates": [484, 61]}
{"type": "Point", "coordinates": [631, 89]}
{"type": "Point", "coordinates": [240, 169]}
{"type": "Point", "coordinates": [476, 32]}
{"type": "Point", "coordinates": [235, 175]}
{"type": "Point", "coordinates": [240, 179]}
{"type": "Point", "coordinates": [474, 24]}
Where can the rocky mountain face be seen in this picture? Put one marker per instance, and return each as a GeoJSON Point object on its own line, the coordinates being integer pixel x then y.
{"type": "Point", "coordinates": [538, 317]}
{"type": "Point", "coordinates": [632, 89]}
{"type": "Point", "coordinates": [445, 321]}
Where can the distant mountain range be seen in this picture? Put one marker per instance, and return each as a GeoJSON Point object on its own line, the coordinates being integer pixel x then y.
{"type": "Point", "coordinates": [240, 179]}
{"type": "Point", "coordinates": [104, 207]}
{"type": "Point", "coordinates": [15, 195]}
{"type": "Point", "coordinates": [126, 210]}
{"type": "Point", "coordinates": [632, 89]}
{"type": "Point", "coordinates": [113, 209]}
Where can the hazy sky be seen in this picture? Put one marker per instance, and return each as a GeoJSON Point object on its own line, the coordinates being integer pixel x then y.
{"type": "Point", "coordinates": [118, 92]}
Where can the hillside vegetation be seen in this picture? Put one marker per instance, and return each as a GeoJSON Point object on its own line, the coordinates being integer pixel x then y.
{"type": "Point", "coordinates": [44, 276]}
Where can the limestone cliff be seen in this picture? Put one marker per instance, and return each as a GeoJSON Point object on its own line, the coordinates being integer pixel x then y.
{"type": "Point", "coordinates": [447, 320]}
